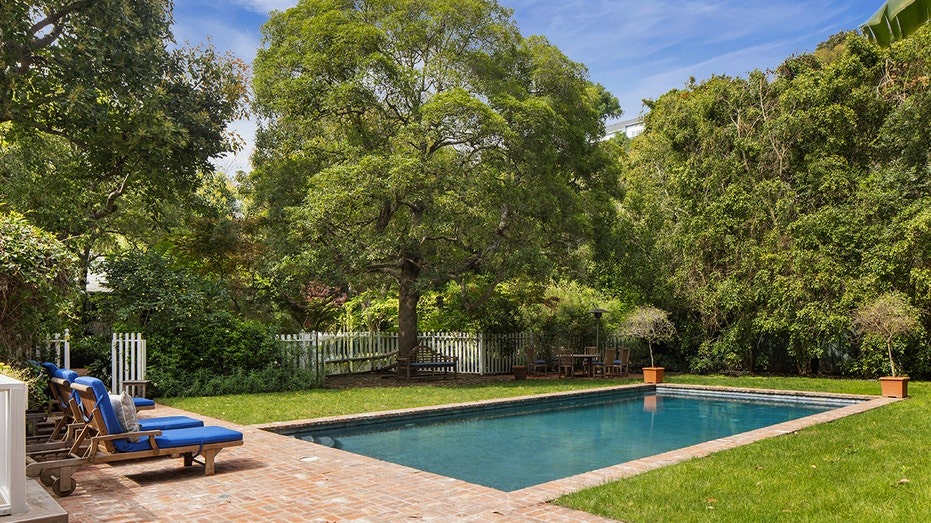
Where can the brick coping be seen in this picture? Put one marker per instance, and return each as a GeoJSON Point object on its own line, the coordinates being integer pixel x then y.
{"type": "Point", "coordinates": [549, 491]}
{"type": "Point", "coordinates": [274, 478]}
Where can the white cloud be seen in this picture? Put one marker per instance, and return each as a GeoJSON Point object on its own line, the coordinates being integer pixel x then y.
{"type": "Point", "coordinates": [266, 6]}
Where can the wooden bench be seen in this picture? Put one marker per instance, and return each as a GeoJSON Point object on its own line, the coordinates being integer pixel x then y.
{"type": "Point", "coordinates": [423, 360]}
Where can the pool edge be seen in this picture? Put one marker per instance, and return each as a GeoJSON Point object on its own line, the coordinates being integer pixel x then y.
{"type": "Point", "coordinates": [549, 491]}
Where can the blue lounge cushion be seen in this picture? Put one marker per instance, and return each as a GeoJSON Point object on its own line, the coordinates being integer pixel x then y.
{"type": "Point", "coordinates": [168, 439]}
{"type": "Point", "coordinates": [51, 369]}
{"type": "Point", "coordinates": [169, 423]}
{"type": "Point", "coordinates": [182, 438]}
{"type": "Point", "coordinates": [143, 402]}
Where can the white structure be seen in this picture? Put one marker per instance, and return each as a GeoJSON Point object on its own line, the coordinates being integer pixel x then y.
{"type": "Point", "coordinates": [128, 360]}
{"type": "Point", "coordinates": [631, 128]}
{"type": "Point", "coordinates": [13, 397]}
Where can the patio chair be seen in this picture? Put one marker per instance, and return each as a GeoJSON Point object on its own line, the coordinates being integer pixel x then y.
{"type": "Point", "coordinates": [535, 363]}
{"type": "Point", "coordinates": [623, 362]}
{"type": "Point", "coordinates": [76, 416]}
{"type": "Point", "coordinates": [610, 364]}
{"type": "Point", "coordinates": [565, 366]}
{"type": "Point", "coordinates": [109, 442]}
{"type": "Point", "coordinates": [53, 371]}
{"type": "Point", "coordinates": [600, 366]}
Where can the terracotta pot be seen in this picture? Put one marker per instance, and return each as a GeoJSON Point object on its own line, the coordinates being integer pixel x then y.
{"type": "Point", "coordinates": [520, 372]}
{"type": "Point", "coordinates": [653, 374]}
{"type": "Point", "coordinates": [894, 387]}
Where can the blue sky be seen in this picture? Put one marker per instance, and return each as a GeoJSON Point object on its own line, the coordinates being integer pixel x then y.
{"type": "Point", "coordinates": [636, 49]}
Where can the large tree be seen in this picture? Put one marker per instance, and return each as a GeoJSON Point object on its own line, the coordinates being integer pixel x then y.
{"type": "Point", "coordinates": [97, 108]}
{"type": "Point", "coordinates": [424, 141]}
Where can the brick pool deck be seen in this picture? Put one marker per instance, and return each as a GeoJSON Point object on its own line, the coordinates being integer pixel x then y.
{"type": "Point", "coordinates": [276, 478]}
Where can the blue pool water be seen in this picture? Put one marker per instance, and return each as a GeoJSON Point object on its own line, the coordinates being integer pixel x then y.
{"type": "Point", "coordinates": [514, 447]}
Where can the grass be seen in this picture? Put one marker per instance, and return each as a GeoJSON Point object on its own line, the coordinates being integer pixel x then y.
{"type": "Point", "coordinates": [249, 409]}
{"type": "Point", "coordinates": [868, 467]}
{"type": "Point", "coordinates": [873, 466]}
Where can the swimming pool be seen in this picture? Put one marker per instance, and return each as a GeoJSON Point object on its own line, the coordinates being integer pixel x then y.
{"type": "Point", "coordinates": [510, 445]}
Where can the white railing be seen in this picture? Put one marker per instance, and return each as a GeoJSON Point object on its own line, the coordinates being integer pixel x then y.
{"type": "Point", "coordinates": [55, 348]}
{"type": "Point", "coordinates": [12, 446]}
{"type": "Point", "coordinates": [127, 359]}
{"type": "Point", "coordinates": [362, 351]}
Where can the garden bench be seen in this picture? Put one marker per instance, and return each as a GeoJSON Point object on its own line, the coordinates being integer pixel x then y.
{"type": "Point", "coordinates": [423, 360]}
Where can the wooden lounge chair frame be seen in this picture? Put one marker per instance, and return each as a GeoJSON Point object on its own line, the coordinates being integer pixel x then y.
{"type": "Point", "coordinates": [100, 448]}
{"type": "Point", "coordinates": [423, 360]}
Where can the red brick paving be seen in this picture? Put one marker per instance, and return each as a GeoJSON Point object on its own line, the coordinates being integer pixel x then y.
{"type": "Point", "coordinates": [275, 478]}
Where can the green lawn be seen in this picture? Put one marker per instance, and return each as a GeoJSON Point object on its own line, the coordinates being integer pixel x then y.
{"type": "Point", "coordinates": [251, 409]}
{"type": "Point", "coordinates": [874, 466]}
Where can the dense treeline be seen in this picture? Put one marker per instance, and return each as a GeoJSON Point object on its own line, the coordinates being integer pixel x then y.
{"type": "Point", "coordinates": [761, 211]}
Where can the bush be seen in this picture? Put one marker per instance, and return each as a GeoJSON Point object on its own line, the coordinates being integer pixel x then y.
{"type": "Point", "coordinates": [177, 382]}
{"type": "Point", "coordinates": [35, 277]}
{"type": "Point", "coordinates": [194, 343]}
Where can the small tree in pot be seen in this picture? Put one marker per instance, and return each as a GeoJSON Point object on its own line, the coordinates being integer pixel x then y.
{"type": "Point", "coordinates": [652, 325]}
{"type": "Point", "coordinates": [888, 316]}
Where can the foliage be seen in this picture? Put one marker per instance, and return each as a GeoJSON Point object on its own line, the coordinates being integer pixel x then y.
{"type": "Point", "coordinates": [186, 322]}
{"type": "Point", "coordinates": [888, 317]}
{"type": "Point", "coordinates": [650, 324]}
{"type": "Point", "coordinates": [102, 125]}
{"type": "Point", "coordinates": [761, 211]}
{"type": "Point", "coordinates": [35, 379]}
{"type": "Point", "coordinates": [179, 383]}
{"type": "Point", "coordinates": [416, 143]}
{"type": "Point", "coordinates": [35, 274]}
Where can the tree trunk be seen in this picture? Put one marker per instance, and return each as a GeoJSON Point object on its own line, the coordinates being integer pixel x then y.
{"type": "Point", "coordinates": [408, 297]}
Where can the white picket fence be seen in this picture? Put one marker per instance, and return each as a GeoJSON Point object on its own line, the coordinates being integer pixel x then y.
{"type": "Point", "coordinates": [13, 396]}
{"type": "Point", "coordinates": [127, 359]}
{"type": "Point", "coordinates": [55, 348]}
{"type": "Point", "coordinates": [351, 352]}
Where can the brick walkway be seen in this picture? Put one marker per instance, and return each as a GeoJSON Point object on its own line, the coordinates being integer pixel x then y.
{"type": "Point", "coordinates": [275, 478]}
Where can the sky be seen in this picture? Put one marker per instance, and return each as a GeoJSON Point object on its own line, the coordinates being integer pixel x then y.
{"type": "Point", "coordinates": [636, 49]}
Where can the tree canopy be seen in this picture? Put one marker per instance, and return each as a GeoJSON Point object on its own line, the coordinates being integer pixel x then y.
{"type": "Point", "coordinates": [773, 205]}
{"type": "Point", "coordinates": [97, 106]}
{"type": "Point", "coordinates": [427, 141]}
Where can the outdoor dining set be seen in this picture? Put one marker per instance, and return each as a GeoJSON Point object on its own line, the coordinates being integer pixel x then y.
{"type": "Point", "coordinates": [589, 362]}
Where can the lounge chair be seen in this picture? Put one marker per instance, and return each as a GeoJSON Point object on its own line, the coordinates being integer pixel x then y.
{"type": "Point", "coordinates": [108, 442]}
{"type": "Point", "coordinates": [54, 372]}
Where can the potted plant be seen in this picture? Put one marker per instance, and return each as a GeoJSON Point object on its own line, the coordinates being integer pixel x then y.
{"type": "Point", "coordinates": [886, 317]}
{"type": "Point", "coordinates": [520, 372]}
{"type": "Point", "coordinates": [652, 325]}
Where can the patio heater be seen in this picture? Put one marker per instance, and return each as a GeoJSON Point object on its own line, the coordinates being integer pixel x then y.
{"type": "Point", "coordinates": [597, 312]}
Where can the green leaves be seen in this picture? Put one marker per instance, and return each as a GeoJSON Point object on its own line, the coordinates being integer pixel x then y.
{"type": "Point", "coordinates": [776, 205]}
{"type": "Point", "coordinates": [35, 274]}
{"type": "Point", "coordinates": [434, 142]}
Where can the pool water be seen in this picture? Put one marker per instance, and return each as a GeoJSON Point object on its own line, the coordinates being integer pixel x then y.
{"type": "Point", "coordinates": [520, 446]}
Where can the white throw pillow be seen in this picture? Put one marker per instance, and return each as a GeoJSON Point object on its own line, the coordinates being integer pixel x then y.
{"type": "Point", "coordinates": [125, 411]}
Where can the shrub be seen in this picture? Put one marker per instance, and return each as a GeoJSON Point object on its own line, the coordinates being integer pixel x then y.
{"type": "Point", "coordinates": [35, 277]}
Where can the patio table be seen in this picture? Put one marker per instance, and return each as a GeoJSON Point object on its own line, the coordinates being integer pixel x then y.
{"type": "Point", "coordinates": [588, 361]}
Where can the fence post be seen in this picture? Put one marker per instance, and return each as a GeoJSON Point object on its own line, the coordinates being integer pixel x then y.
{"type": "Point", "coordinates": [12, 446]}
{"type": "Point", "coordinates": [125, 346]}
{"type": "Point", "coordinates": [67, 350]}
{"type": "Point", "coordinates": [481, 354]}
